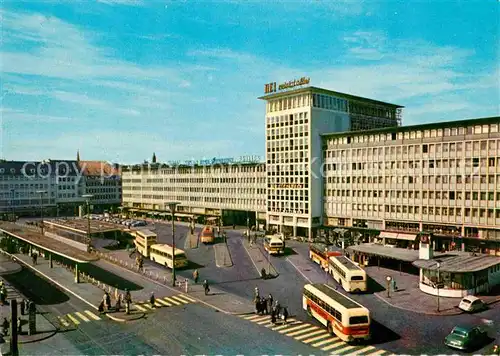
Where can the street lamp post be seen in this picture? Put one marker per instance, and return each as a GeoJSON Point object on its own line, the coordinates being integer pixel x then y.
{"type": "Point", "coordinates": [172, 207]}
{"type": "Point", "coordinates": [438, 265]}
{"type": "Point", "coordinates": [87, 198]}
{"type": "Point", "coordinates": [41, 192]}
{"type": "Point", "coordinates": [388, 279]}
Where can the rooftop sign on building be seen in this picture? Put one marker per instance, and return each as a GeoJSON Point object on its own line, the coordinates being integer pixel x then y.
{"type": "Point", "coordinates": [271, 87]}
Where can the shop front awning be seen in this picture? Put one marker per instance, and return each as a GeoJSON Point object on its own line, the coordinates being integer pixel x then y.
{"type": "Point", "coordinates": [388, 235]}
{"type": "Point", "coordinates": [181, 215]}
{"type": "Point", "coordinates": [407, 237]}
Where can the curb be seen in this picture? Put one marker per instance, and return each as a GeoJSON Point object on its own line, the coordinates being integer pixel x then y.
{"type": "Point", "coordinates": [121, 320]}
{"type": "Point", "coordinates": [65, 288]}
{"type": "Point", "coordinates": [276, 275]}
{"type": "Point", "coordinates": [414, 311]}
{"type": "Point", "coordinates": [48, 336]}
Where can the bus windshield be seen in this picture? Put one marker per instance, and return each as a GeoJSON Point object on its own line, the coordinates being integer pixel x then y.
{"type": "Point", "coordinates": [363, 319]}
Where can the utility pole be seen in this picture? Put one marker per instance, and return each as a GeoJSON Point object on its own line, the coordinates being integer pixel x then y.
{"type": "Point", "coordinates": [87, 198]}
{"type": "Point", "coordinates": [41, 192]}
{"type": "Point", "coordinates": [172, 207]}
{"type": "Point", "coordinates": [14, 348]}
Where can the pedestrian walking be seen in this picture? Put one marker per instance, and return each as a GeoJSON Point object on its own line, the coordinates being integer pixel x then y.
{"type": "Point", "coordinates": [19, 325]}
{"type": "Point", "coordinates": [256, 291]}
{"type": "Point", "coordinates": [285, 314]}
{"type": "Point", "coordinates": [152, 300]}
{"type": "Point", "coordinates": [196, 275]}
{"type": "Point", "coordinates": [5, 327]}
{"type": "Point", "coordinates": [270, 301]}
{"type": "Point", "coordinates": [22, 306]}
{"type": "Point", "coordinates": [206, 287]}
{"type": "Point", "coordinates": [273, 316]}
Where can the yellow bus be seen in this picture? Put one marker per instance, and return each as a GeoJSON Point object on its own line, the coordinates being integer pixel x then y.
{"type": "Point", "coordinates": [274, 245]}
{"type": "Point", "coordinates": [162, 254]}
{"type": "Point", "coordinates": [320, 253]}
{"type": "Point", "coordinates": [143, 240]}
{"type": "Point", "coordinates": [207, 235]}
{"type": "Point", "coordinates": [341, 315]}
{"type": "Point", "coordinates": [348, 274]}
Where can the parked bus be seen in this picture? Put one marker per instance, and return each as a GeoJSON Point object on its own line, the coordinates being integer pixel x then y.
{"type": "Point", "coordinates": [162, 254]}
{"type": "Point", "coordinates": [207, 235]}
{"type": "Point", "coordinates": [274, 245]}
{"type": "Point", "coordinates": [320, 253]}
{"type": "Point", "coordinates": [143, 240]}
{"type": "Point", "coordinates": [348, 274]}
{"type": "Point", "coordinates": [341, 315]}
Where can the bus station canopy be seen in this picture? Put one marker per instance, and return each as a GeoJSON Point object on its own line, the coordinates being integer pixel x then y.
{"type": "Point", "coordinates": [45, 243]}
{"type": "Point", "coordinates": [373, 249]}
{"type": "Point", "coordinates": [459, 262]}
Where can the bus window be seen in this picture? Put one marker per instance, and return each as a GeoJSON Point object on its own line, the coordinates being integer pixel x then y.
{"type": "Point", "coordinates": [358, 320]}
{"type": "Point", "coordinates": [357, 278]}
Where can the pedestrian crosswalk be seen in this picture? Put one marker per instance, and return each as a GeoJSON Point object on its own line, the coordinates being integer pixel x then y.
{"type": "Point", "coordinates": [316, 336]}
{"type": "Point", "coordinates": [171, 301]}
{"type": "Point", "coordinates": [77, 318]}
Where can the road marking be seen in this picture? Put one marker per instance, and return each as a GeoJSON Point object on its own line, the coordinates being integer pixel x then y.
{"type": "Point", "coordinates": [347, 348]}
{"type": "Point", "coordinates": [312, 328]}
{"type": "Point", "coordinates": [140, 308]}
{"type": "Point", "coordinates": [92, 315]}
{"type": "Point", "coordinates": [294, 328]}
{"type": "Point", "coordinates": [173, 301]}
{"type": "Point", "coordinates": [250, 317]}
{"type": "Point", "coordinates": [83, 317]}
{"type": "Point", "coordinates": [334, 338]}
{"type": "Point", "coordinates": [265, 321]}
{"type": "Point", "coordinates": [379, 352]}
{"type": "Point", "coordinates": [187, 298]}
{"type": "Point", "coordinates": [158, 304]}
{"type": "Point", "coordinates": [333, 346]}
{"type": "Point", "coordinates": [161, 301]}
{"type": "Point", "coordinates": [180, 299]}
{"type": "Point", "coordinates": [62, 321]}
{"type": "Point", "coordinates": [298, 270]}
{"type": "Point", "coordinates": [286, 325]}
{"type": "Point", "coordinates": [74, 320]}
{"type": "Point", "coordinates": [147, 306]}
{"type": "Point", "coordinates": [260, 318]}
{"type": "Point", "coordinates": [312, 334]}
{"type": "Point", "coordinates": [362, 351]}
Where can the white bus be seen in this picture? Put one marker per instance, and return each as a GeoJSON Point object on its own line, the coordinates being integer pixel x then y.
{"type": "Point", "coordinates": [348, 274]}
{"type": "Point", "coordinates": [341, 315]}
{"type": "Point", "coordinates": [274, 245]}
{"type": "Point", "coordinates": [162, 254]}
{"type": "Point", "coordinates": [143, 240]}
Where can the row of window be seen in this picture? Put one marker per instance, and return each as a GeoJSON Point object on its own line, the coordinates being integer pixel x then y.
{"type": "Point", "coordinates": [197, 170]}
{"type": "Point", "coordinates": [473, 162]}
{"type": "Point", "coordinates": [416, 134]}
{"type": "Point", "coordinates": [218, 200]}
{"type": "Point", "coordinates": [425, 179]}
{"type": "Point", "coordinates": [405, 194]}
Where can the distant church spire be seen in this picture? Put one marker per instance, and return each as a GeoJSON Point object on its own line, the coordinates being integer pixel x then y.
{"type": "Point", "coordinates": [153, 160]}
{"type": "Point", "coordinates": [78, 156]}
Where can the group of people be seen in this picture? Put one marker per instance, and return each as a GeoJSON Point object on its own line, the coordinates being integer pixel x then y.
{"type": "Point", "coordinates": [270, 306]}
{"type": "Point", "coordinates": [6, 325]}
{"type": "Point", "coordinates": [105, 305]}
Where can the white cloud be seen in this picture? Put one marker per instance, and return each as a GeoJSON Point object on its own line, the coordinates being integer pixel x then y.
{"type": "Point", "coordinates": [10, 116]}
{"type": "Point", "coordinates": [122, 2]}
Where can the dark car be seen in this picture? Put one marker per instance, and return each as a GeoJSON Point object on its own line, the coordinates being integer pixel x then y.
{"type": "Point", "coordinates": [466, 337]}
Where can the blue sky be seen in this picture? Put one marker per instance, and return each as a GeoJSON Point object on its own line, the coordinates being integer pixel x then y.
{"type": "Point", "coordinates": [120, 79]}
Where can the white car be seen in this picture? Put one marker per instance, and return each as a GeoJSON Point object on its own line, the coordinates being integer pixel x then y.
{"type": "Point", "coordinates": [471, 304]}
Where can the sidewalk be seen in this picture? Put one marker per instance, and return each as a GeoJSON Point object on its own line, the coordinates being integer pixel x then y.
{"type": "Point", "coordinates": [259, 258]}
{"type": "Point", "coordinates": [222, 255]}
{"type": "Point", "coordinates": [409, 296]}
{"type": "Point", "coordinates": [86, 292]}
{"type": "Point", "coordinates": [217, 299]}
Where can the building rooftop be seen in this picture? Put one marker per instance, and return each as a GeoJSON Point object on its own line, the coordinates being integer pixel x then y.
{"type": "Point", "coordinates": [429, 126]}
{"type": "Point", "coordinates": [396, 253]}
{"type": "Point", "coordinates": [39, 168]}
{"type": "Point", "coordinates": [311, 89]}
{"type": "Point", "coordinates": [459, 263]}
{"type": "Point", "coordinates": [97, 168]}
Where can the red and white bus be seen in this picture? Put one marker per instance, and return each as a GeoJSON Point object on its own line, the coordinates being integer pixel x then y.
{"type": "Point", "coordinates": [321, 253]}
{"type": "Point", "coordinates": [341, 315]}
{"type": "Point", "coordinates": [207, 235]}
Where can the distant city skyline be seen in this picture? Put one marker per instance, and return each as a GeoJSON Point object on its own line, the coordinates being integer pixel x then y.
{"type": "Point", "coordinates": [121, 79]}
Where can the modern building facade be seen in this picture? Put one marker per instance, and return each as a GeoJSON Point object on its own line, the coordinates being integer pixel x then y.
{"type": "Point", "coordinates": [56, 186]}
{"type": "Point", "coordinates": [231, 191]}
{"type": "Point", "coordinates": [295, 120]}
{"type": "Point", "coordinates": [442, 178]}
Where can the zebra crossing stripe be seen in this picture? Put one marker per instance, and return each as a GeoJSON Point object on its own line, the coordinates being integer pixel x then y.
{"type": "Point", "coordinates": [363, 351]}
{"type": "Point", "coordinates": [265, 321]}
{"type": "Point", "coordinates": [73, 319]}
{"type": "Point", "coordinates": [191, 300]}
{"type": "Point", "coordinates": [260, 318]}
{"type": "Point", "coordinates": [173, 301]}
{"type": "Point", "coordinates": [92, 315]}
{"type": "Point", "coordinates": [83, 317]}
{"type": "Point", "coordinates": [62, 321]}
{"type": "Point", "coordinates": [180, 299]}
{"type": "Point", "coordinates": [325, 333]}
{"type": "Point", "coordinates": [377, 353]}
{"type": "Point", "coordinates": [294, 328]}
{"type": "Point", "coordinates": [286, 325]}
{"type": "Point", "coordinates": [311, 328]}
{"type": "Point", "coordinates": [147, 306]}
{"type": "Point", "coordinates": [140, 308]}
{"type": "Point", "coordinates": [333, 346]}
{"type": "Point", "coordinates": [161, 301]}
{"type": "Point", "coordinates": [325, 341]}
{"type": "Point", "coordinates": [251, 317]}
{"type": "Point", "coordinates": [347, 348]}
{"type": "Point", "coordinates": [158, 304]}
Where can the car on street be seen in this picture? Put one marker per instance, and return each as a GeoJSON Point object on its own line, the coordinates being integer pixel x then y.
{"type": "Point", "coordinates": [467, 337]}
{"type": "Point", "coordinates": [471, 304]}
